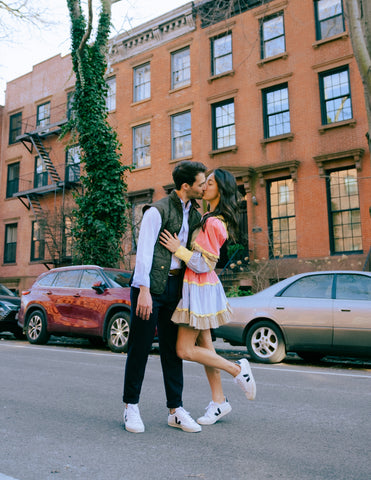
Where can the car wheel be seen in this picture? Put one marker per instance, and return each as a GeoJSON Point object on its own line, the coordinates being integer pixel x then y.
{"type": "Point", "coordinates": [36, 331]}
{"type": "Point", "coordinates": [311, 356]}
{"type": "Point", "coordinates": [265, 343]}
{"type": "Point", "coordinates": [118, 332]}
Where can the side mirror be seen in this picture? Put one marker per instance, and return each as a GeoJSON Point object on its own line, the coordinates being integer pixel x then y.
{"type": "Point", "coordinates": [99, 287]}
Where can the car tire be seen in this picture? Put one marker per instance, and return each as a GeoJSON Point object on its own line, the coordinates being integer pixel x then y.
{"type": "Point", "coordinates": [311, 356]}
{"type": "Point", "coordinates": [265, 343]}
{"type": "Point", "coordinates": [118, 332]}
{"type": "Point", "coordinates": [36, 330]}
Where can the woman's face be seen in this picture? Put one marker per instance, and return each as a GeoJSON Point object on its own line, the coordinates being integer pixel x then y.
{"type": "Point", "coordinates": [212, 191]}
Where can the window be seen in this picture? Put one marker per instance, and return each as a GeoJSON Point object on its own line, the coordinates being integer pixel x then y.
{"type": "Point", "coordinates": [89, 278]}
{"type": "Point", "coordinates": [353, 286]}
{"type": "Point", "coordinates": [111, 94]}
{"type": "Point", "coordinates": [47, 280]}
{"type": "Point", "coordinates": [221, 54]}
{"type": "Point", "coordinates": [224, 129]}
{"type": "Point", "coordinates": [329, 18]}
{"type": "Point", "coordinates": [73, 160]}
{"type": "Point", "coordinates": [15, 127]}
{"type": "Point", "coordinates": [12, 182]}
{"type": "Point", "coordinates": [276, 111]}
{"type": "Point", "coordinates": [43, 115]}
{"type": "Point", "coordinates": [70, 99]}
{"type": "Point", "coordinates": [344, 214]}
{"type": "Point", "coordinates": [10, 244]}
{"type": "Point", "coordinates": [181, 141]}
{"type": "Point", "coordinates": [336, 104]}
{"type": "Point", "coordinates": [180, 68]}
{"type": "Point", "coordinates": [282, 220]}
{"type": "Point", "coordinates": [67, 237]}
{"type": "Point", "coordinates": [142, 82]}
{"type": "Point", "coordinates": [142, 146]}
{"type": "Point", "coordinates": [37, 242]}
{"type": "Point", "coordinates": [40, 173]}
{"type": "Point", "coordinates": [312, 286]}
{"type": "Point", "coordinates": [68, 278]}
{"type": "Point", "coordinates": [272, 34]}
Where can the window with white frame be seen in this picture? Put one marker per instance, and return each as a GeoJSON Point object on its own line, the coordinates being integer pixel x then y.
{"type": "Point", "coordinates": [142, 82]}
{"type": "Point", "coordinates": [336, 102]}
{"type": "Point", "coordinates": [329, 17]}
{"type": "Point", "coordinates": [181, 139]}
{"type": "Point", "coordinates": [223, 122]}
{"type": "Point", "coordinates": [344, 214]}
{"type": "Point", "coordinates": [40, 173]}
{"type": "Point", "coordinates": [282, 220]}
{"type": "Point", "coordinates": [111, 94]}
{"type": "Point", "coordinates": [73, 161]}
{"type": "Point", "coordinates": [276, 111]}
{"type": "Point", "coordinates": [37, 242]}
{"type": "Point", "coordinates": [180, 68]}
{"type": "Point", "coordinates": [142, 145]}
{"type": "Point", "coordinates": [272, 34]}
{"type": "Point", "coordinates": [221, 54]}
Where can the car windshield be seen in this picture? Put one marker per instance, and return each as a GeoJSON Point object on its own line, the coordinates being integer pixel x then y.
{"type": "Point", "coordinates": [119, 277]}
{"type": "Point", "coordinates": [6, 291]}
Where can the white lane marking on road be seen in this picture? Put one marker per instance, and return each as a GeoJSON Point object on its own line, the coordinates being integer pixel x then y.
{"type": "Point", "coordinates": [254, 366]}
{"type": "Point", "coordinates": [5, 477]}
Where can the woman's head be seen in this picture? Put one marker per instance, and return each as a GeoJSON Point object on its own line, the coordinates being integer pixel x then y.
{"type": "Point", "coordinates": [222, 193]}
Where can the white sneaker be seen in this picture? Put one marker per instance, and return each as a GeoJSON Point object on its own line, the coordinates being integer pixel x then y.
{"type": "Point", "coordinates": [182, 419]}
{"type": "Point", "coordinates": [214, 412]}
{"type": "Point", "coordinates": [245, 379]}
{"type": "Point", "coordinates": [132, 421]}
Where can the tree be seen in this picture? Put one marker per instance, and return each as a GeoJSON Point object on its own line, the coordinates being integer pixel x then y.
{"type": "Point", "coordinates": [358, 13]}
{"type": "Point", "coordinates": [19, 11]}
{"type": "Point", "coordinates": [100, 219]}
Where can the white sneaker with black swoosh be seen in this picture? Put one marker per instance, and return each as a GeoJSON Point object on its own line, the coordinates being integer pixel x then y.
{"type": "Point", "coordinates": [214, 412]}
{"type": "Point", "coordinates": [182, 419]}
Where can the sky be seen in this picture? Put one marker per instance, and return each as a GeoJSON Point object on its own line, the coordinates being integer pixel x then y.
{"type": "Point", "coordinates": [24, 45]}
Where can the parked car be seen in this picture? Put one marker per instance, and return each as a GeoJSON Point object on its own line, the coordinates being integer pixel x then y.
{"type": "Point", "coordinates": [81, 301]}
{"type": "Point", "coordinates": [9, 306]}
{"type": "Point", "coordinates": [313, 314]}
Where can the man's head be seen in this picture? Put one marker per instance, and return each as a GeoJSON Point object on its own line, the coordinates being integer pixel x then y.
{"type": "Point", "coordinates": [189, 179]}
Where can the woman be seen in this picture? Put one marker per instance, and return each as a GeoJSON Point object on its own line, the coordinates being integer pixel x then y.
{"type": "Point", "coordinates": [204, 305]}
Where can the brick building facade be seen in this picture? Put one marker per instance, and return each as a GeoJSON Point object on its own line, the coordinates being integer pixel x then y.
{"type": "Point", "coordinates": [271, 92]}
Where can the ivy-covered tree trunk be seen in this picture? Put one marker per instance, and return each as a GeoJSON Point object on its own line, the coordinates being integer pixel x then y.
{"type": "Point", "coordinates": [100, 220]}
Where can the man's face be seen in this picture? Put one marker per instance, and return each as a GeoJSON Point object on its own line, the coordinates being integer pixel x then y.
{"type": "Point", "coordinates": [197, 189]}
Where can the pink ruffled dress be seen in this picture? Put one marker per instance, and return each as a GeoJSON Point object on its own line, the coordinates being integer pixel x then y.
{"type": "Point", "coordinates": [204, 304]}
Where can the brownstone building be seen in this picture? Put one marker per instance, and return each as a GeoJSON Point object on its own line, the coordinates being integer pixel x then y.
{"type": "Point", "coordinates": [269, 90]}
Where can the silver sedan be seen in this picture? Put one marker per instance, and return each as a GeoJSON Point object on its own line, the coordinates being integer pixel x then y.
{"type": "Point", "coordinates": [313, 314]}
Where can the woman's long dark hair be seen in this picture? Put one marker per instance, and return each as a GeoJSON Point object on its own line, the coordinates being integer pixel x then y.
{"type": "Point", "coordinates": [227, 206]}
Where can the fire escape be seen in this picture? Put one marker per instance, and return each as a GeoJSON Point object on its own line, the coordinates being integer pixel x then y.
{"type": "Point", "coordinates": [38, 142]}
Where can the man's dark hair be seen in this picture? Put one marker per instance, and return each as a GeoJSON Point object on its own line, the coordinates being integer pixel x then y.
{"type": "Point", "coordinates": [186, 172]}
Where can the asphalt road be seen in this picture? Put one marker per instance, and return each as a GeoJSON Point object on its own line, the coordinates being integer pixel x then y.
{"type": "Point", "coordinates": [61, 419]}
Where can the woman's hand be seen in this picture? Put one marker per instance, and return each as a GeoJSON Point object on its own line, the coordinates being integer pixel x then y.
{"type": "Point", "coordinates": [171, 242]}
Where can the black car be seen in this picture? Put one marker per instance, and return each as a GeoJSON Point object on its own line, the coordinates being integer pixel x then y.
{"type": "Point", "coordinates": [9, 306]}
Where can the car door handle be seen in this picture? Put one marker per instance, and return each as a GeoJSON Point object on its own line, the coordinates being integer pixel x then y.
{"type": "Point", "coordinates": [345, 310]}
{"type": "Point", "coordinates": [280, 308]}
{"type": "Point", "coordinates": [49, 292]}
{"type": "Point", "coordinates": [76, 295]}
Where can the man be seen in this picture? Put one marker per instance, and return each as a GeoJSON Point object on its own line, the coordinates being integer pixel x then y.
{"type": "Point", "coordinates": [155, 293]}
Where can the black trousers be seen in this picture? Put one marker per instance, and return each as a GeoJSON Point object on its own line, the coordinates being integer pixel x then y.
{"type": "Point", "coordinates": [140, 343]}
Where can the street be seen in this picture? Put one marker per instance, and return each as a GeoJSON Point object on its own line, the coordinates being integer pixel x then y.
{"type": "Point", "coordinates": [61, 419]}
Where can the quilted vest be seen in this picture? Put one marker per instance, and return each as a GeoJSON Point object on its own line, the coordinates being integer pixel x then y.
{"type": "Point", "coordinates": [171, 212]}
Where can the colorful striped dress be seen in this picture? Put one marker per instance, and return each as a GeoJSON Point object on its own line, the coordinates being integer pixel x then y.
{"type": "Point", "coordinates": [203, 304]}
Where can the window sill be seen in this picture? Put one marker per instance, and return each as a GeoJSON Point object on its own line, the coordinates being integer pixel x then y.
{"type": "Point", "coordinates": [182, 87]}
{"type": "Point", "coordinates": [263, 61]}
{"type": "Point", "coordinates": [340, 36]}
{"type": "Point", "coordinates": [232, 148]}
{"type": "Point", "coordinates": [345, 123]}
{"type": "Point", "coordinates": [180, 159]}
{"type": "Point", "coordinates": [287, 136]}
{"type": "Point", "coordinates": [139, 102]}
{"type": "Point", "coordinates": [137, 169]}
{"type": "Point", "coordinates": [230, 73]}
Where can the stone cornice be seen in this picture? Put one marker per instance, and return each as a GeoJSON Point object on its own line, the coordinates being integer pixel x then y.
{"type": "Point", "coordinates": [152, 34]}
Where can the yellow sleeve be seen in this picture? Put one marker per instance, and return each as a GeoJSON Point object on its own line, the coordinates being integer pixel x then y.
{"type": "Point", "coordinates": [184, 254]}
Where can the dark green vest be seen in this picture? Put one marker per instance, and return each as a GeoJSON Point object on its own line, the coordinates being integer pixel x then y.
{"type": "Point", "coordinates": [171, 212]}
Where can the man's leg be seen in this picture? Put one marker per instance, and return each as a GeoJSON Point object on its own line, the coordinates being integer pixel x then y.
{"type": "Point", "coordinates": [139, 345]}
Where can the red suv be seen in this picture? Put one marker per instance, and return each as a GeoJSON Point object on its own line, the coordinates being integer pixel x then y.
{"type": "Point", "coordinates": [80, 301]}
